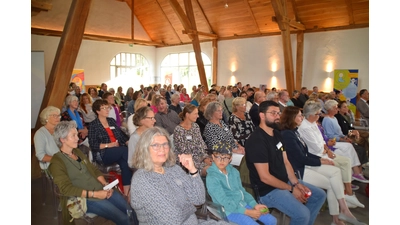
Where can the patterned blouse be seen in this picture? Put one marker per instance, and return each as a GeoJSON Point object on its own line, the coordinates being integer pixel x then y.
{"type": "Point", "coordinates": [241, 129]}
{"type": "Point", "coordinates": [214, 133]}
{"type": "Point", "coordinates": [190, 142]}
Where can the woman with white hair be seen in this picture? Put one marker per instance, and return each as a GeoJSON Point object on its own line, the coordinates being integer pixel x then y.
{"type": "Point", "coordinates": [45, 147]}
{"type": "Point", "coordinates": [334, 131]}
{"type": "Point", "coordinates": [72, 113]}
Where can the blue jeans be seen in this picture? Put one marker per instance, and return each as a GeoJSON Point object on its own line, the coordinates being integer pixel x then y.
{"type": "Point", "coordinates": [299, 213]}
{"type": "Point", "coordinates": [243, 219]}
{"type": "Point", "coordinates": [114, 209]}
{"type": "Point", "coordinates": [119, 155]}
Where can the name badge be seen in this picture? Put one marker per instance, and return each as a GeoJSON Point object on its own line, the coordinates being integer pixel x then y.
{"type": "Point", "coordinates": [279, 146]}
{"type": "Point", "coordinates": [226, 129]}
{"type": "Point", "coordinates": [112, 128]}
{"type": "Point", "coordinates": [189, 137]}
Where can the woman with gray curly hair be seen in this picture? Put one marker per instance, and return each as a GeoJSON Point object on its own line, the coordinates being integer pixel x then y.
{"type": "Point", "coordinates": [217, 130]}
{"type": "Point", "coordinates": [72, 113]}
{"type": "Point", "coordinates": [161, 192]}
{"type": "Point", "coordinates": [74, 175]}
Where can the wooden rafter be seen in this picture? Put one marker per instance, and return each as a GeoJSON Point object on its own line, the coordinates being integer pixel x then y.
{"type": "Point", "coordinates": [67, 51]}
{"type": "Point", "coordinates": [213, 36]}
{"type": "Point", "coordinates": [246, 2]}
{"type": "Point", "coordinates": [294, 7]}
{"type": "Point", "coordinates": [133, 19]}
{"type": "Point", "coordinates": [350, 11]}
{"type": "Point", "coordinates": [205, 17]}
{"type": "Point", "coordinates": [169, 21]}
{"type": "Point", "coordinates": [182, 17]}
{"type": "Point", "coordinates": [41, 5]}
{"type": "Point", "coordinates": [299, 60]}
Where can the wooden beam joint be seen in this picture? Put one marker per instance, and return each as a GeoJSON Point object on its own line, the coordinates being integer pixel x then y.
{"type": "Point", "coordinates": [195, 32]}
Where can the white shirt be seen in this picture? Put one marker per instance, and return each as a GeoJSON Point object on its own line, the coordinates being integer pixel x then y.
{"type": "Point", "coordinates": [313, 138]}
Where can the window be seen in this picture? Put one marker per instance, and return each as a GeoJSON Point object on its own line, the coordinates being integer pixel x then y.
{"type": "Point", "coordinates": [181, 68]}
{"type": "Point", "coordinates": [130, 70]}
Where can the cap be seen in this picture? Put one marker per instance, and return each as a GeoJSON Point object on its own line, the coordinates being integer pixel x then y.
{"type": "Point", "coordinates": [222, 148]}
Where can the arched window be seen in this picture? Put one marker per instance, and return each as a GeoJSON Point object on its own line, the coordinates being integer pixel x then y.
{"type": "Point", "coordinates": [129, 70]}
{"type": "Point", "coordinates": [181, 68]}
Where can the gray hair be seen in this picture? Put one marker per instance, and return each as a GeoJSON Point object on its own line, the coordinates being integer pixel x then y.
{"type": "Point", "coordinates": [70, 98]}
{"type": "Point", "coordinates": [142, 157]}
{"type": "Point", "coordinates": [211, 108]}
{"type": "Point", "coordinates": [174, 96]}
{"type": "Point", "coordinates": [271, 95]}
{"type": "Point", "coordinates": [44, 115]}
{"type": "Point", "coordinates": [330, 104]}
{"type": "Point", "coordinates": [62, 130]}
{"type": "Point", "coordinates": [311, 108]}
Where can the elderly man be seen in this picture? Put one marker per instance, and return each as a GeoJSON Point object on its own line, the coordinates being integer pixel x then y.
{"type": "Point", "coordinates": [283, 98]}
{"type": "Point", "coordinates": [363, 104]}
{"type": "Point", "coordinates": [259, 97]}
{"type": "Point", "coordinates": [165, 117]}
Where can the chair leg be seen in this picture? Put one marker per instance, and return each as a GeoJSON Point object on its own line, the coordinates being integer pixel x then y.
{"type": "Point", "coordinates": [44, 187]}
{"type": "Point", "coordinates": [55, 199]}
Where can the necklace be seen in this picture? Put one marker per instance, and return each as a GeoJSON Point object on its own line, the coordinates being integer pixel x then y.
{"type": "Point", "coordinates": [160, 171]}
{"type": "Point", "coordinates": [70, 160]}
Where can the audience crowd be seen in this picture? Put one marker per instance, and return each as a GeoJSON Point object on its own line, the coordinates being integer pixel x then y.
{"type": "Point", "coordinates": [166, 141]}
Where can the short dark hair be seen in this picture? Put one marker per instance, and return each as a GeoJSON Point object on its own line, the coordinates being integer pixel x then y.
{"type": "Point", "coordinates": [265, 105]}
{"type": "Point", "coordinates": [97, 104]}
{"type": "Point", "coordinates": [362, 91]}
{"type": "Point", "coordinates": [105, 95]}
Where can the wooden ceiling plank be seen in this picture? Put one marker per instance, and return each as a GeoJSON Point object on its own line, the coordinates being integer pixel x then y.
{"type": "Point", "coordinates": [246, 2]}
{"type": "Point", "coordinates": [169, 21]}
{"type": "Point", "coordinates": [41, 5]}
{"type": "Point", "coordinates": [205, 17]}
{"type": "Point", "coordinates": [213, 36]}
{"type": "Point", "coordinates": [181, 15]}
{"type": "Point", "coordinates": [67, 51]}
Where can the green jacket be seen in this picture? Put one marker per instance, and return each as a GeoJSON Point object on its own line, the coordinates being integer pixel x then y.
{"type": "Point", "coordinates": [63, 169]}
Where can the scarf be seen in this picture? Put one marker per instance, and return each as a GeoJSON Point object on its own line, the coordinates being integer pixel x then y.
{"type": "Point", "coordinates": [326, 139]}
{"type": "Point", "coordinates": [75, 116]}
{"type": "Point", "coordinates": [117, 116]}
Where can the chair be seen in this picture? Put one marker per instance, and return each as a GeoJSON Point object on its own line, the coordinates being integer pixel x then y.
{"type": "Point", "coordinates": [258, 200]}
{"type": "Point", "coordinates": [47, 180]}
{"type": "Point", "coordinates": [113, 170]}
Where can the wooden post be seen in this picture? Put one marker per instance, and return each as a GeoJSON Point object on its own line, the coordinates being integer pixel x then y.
{"type": "Point", "coordinates": [64, 61]}
{"type": "Point", "coordinates": [215, 61]}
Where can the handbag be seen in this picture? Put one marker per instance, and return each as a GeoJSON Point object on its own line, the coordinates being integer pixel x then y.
{"type": "Point", "coordinates": [76, 207]}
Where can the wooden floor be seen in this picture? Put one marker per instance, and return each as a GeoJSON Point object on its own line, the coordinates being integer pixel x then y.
{"type": "Point", "coordinates": [47, 214]}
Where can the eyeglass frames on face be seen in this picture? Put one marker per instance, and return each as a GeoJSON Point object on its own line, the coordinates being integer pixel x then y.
{"type": "Point", "coordinates": [151, 118]}
{"type": "Point", "coordinates": [274, 113]}
{"type": "Point", "coordinates": [106, 108]}
{"type": "Point", "coordinates": [223, 159]}
{"type": "Point", "coordinates": [55, 116]}
{"type": "Point", "coordinates": [157, 147]}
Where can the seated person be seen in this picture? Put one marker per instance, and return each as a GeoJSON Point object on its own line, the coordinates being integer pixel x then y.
{"type": "Point", "coordinates": [74, 175]}
{"type": "Point", "coordinates": [72, 113]}
{"type": "Point", "coordinates": [363, 104]}
{"type": "Point", "coordinates": [162, 193]}
{"type": "Point", "coordinates": [108, 142]}
{"type": "Point", "coordinates": [165, 117]}
{"type": "Point", "coordinates": [225, 188]}
{"type": "Point", "coordinates": [175, 103]}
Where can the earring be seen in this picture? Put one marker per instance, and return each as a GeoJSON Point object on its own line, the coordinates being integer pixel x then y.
{"type": "Point", "coordinates": [47, 121]}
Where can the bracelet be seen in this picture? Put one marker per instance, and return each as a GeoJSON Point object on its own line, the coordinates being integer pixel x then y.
{"type": "Point", "coordinates": [294, 185]}
{"type": "Point", "coordinates": [194, 172]}
{"type": "Point", "coordinates": [291, 190]}
{"type": "Point", "coordinates": [87, 194]}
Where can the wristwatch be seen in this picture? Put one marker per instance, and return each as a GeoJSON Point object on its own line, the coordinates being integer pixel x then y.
{"type": "Point", "coordinates": [106, 145]}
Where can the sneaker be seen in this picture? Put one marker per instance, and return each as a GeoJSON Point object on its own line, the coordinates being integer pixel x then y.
{"type": "Point", "coordinates": [350, 206]}
{"type": "Point", "coordinates": [350, 219]}
{"type": "Point", "coordinates": [353, 200]}
{"type": "Point", "coordinates": [354, 187]}
{"type": "Point", "coordinates": [360, 178]}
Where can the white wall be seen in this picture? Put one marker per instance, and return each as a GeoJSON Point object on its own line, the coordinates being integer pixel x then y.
{"type": "Point", "coordinates": [251, 59]}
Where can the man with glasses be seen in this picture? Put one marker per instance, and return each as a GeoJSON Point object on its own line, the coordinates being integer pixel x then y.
{"type": "Point", "coordinates": [273, 175]}
{"type": "Point", "coordinates": [165, 117]}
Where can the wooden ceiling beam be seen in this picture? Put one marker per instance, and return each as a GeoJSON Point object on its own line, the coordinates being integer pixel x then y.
{"type": "Point", "coordinates": [65, 58]}
{"type": "Point", "coordinates": [182, 16]}
{"type": "Point", "coordinates": [293, 23]}
{"type": "Point", "coordinates": [56, 33]}
{"type": "Point", "coordinates": [212, 36]}
{"type": "Point", "coordinates": [42, 5]}
{"type": "Point", "coordinates": [350, 11]}
{"type": "Point", "coordinates": [294, 7]}
{"type": "Point", "coordinates": [246, 2]}
{"type": "Point", "coordinates": [210, 30]}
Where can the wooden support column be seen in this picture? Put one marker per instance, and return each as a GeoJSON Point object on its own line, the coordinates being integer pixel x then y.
{"type": "Point", "coordinates": [280, 9]}
{"type": "Point", "coordinates": [215, 61]}
{"type": "Point", "coordinates": [299, 60]}
{"type": "Point", "coordinates": [64, 61]}
{"type": "Point", "coordinates": [133, 20]}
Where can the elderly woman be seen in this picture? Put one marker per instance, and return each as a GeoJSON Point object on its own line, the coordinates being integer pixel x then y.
{"type": "Point", "coordinates": [143, 119]}
{"type": "Point", "coordinates": [240, 122]}
{"type": "Point", "coordinates": [217, 130]}
{"type": "Point", "coordinates": [139, 103]}
{"type": "Point", "coordinates": [72, 113]}
{"type": "Point", "coordinates": [314, 139]}
{"type": "Point", "coordinates": [188, 139]}
{"type": "Point", "coordinates": [74, 175]}
{"type": "Point", "coordinates": [108, 142]}
{"type": "Point", "coordinates": [184, 97]}
{"type": "Point", "coordinates": [313, 169]}
{"type": "Point", "coordinates": [333, 131]}
{"type": "Point", "coordinates": [85, 108]}
{"type": "Point", "coordinates": [161, 192]}
{"type": "Point", "coordinates": [243, 94]}
{"type": "Point", "coordinates": [45, 147]}
{"type": "Point", "coordinates": [175, 103]}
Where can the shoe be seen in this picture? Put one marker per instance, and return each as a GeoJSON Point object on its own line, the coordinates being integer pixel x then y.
{"type": "Point", "coordinates": [353, 200]}
{"type": "Point", "coordinates": [360, 178]}
{"type": "Point", "coordinates": [354, 187]}
{"type": "Point", "coordinates": [350, 220]}
{"type": "Point", "coordinates": [350, 205]}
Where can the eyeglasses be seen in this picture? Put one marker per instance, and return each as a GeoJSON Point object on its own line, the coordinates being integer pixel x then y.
{"type": "Point", "coordinates": [105, 108]}
{"type": "Point", "coordinates": [55, 116]}
{"type": "Point", "coordinates": [157, 147]}
{"type": "Point", "coordinates": [222, 159]}
{"type": "Point", "coordinates": [151, 118]}
{"type": "Point", "coordinates": [219, 110]}
{"type": "Point", "coordinates": [318, 114]}
{"type": "Point", "coordinates": [274, 113]}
